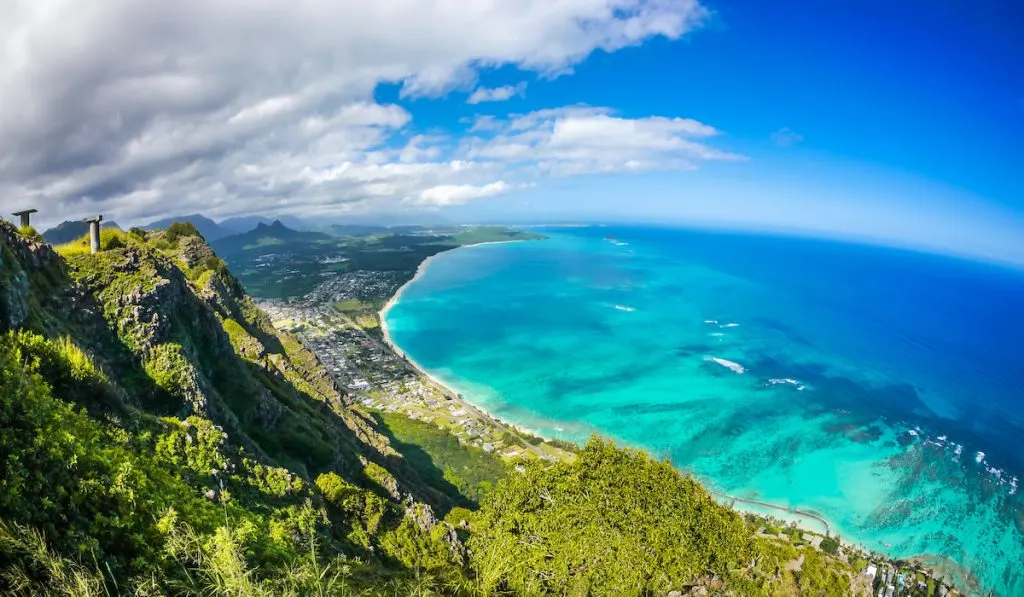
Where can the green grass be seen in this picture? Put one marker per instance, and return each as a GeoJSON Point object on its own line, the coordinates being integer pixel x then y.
{"type": "Point", "coordinates": [110, 238]}
{"type": "Point", "coordinates": [464, 473]}
{"type": "Point", "coordinates": [350, 306]}
{"type": "Point", "coordinates": [30, 233]}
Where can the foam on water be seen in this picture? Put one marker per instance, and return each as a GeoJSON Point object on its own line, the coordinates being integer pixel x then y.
{"type": "Point", "coordinates": [891, 372]}
{"type": "Point", "coordinates": [733, 366]}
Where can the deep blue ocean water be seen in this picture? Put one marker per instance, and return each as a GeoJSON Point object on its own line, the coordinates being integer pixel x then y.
{"type": "Point", "coordinates": [881, 388]}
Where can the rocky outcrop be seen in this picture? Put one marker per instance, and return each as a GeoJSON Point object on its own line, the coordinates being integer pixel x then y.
{"type": "Point", "coordinates": [20, 257]}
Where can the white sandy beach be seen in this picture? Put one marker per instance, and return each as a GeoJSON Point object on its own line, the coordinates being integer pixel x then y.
{"type": "Point", "coordinates": [451, 392]}
{"type": "Point", "coordinates": [383, 313]}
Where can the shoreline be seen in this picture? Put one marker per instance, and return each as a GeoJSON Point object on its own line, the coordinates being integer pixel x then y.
{"type": "Point", "coordinates": [448, 390]}
{"type": "Point", "coordinates": [789, 514]}
{"type": "Point", "coordinates": [420, 270]}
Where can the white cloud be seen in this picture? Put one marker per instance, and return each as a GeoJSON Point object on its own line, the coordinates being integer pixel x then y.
{"type": "Point", "coordinates": [144, 108]}
{"type": "Point", "coordinates": [496, 94]}
{"type": "Point", "coordinates": [581, 139]}
{"type": "Point", "coordinates": [444, 195]}
{"type": "Point", "coordinates": [786, 137]}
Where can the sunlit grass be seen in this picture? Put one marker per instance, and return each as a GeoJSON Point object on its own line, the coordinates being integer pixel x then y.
{"type": "Point", "coordinates": [110, 238]}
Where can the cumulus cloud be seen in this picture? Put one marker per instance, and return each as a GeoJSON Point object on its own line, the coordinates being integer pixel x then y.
{"type": "Point", "coordinates": [582, 139]}
{"type": "Point", "coordinates": [148, 108]}
{"type": "Point", "coordinates": [448, 194]}
{"type": "Point", "coordinates": [496, 94]}
{"type": "Point", "coordinates": [786, 137]}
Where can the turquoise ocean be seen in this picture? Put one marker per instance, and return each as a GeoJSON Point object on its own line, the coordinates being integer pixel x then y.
{"type": "Point", "coordinates": [882, 389]}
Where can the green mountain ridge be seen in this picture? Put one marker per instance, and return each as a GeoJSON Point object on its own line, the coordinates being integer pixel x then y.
{"type": "Point", "coordinates": [158, 436]}
{"type": "Point", "coordinates": [263, 235]}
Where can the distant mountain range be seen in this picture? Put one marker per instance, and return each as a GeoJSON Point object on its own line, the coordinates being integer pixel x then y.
{"type": "Point", "coordinates": [70, 230]}
{"type": "Point", "coordinates": [242, 224]}
{"type": "Point", "coordinates": [212, 230]}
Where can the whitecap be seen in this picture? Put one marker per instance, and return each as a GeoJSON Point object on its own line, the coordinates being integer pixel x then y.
{"type": "Point", "coordinates": [979, 457]}
{"type": "Point", "coordinates": [716, 334]}
{"type": "Point", "coordinates": [625, 308]}
{"type": "Point", "coordinates": [736, 367]}
{"type": "Point", "coordinates": [729, 325]}
{"type": "Point", "coordinates": [788, 381]}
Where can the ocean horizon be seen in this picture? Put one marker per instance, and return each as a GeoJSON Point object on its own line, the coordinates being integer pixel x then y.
{"type": "Point", "coordinates": [879, 388]}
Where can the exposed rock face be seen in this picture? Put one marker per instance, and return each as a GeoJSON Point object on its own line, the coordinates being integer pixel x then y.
{"type": "Point", "coordinates": [194, 251]}
{"type": "Point", "coordinates": [20, 256]}
{"type": "Point", "coordinates": [15, 308]}
{"type": "Point", "coordinates": [424, 518]}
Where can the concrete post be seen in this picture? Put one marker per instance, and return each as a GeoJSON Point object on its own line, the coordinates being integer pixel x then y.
{"type": "Point", "coordinates": [24, 215]}
{"type": "Point", "coordinates": [94, 233]}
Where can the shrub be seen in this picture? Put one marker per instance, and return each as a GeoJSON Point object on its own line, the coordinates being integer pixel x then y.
{"type": "Point", "coordinates": [111, 238]}
{"type": "Point", "coordinates": [30, 232]}
{"type": "Point", "coordinates": [181, 229]}
{"type": "Point", "coordinates": [171, 370]}
{"type": "Point", "coordinates": [340, 493]}
{"type": "Point", "coordinates": [613, 521]}
{"type": "Point", "coordinates": [830, 545]}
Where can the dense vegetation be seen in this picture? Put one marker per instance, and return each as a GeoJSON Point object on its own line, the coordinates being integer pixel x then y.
{"type": "Point", "coordinates": [157, 436]}
{"type": "Point", "coordinates": [464, 473]}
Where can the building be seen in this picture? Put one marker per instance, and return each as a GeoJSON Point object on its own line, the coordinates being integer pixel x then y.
{"type": "Point", "coordinates": [871, 571]}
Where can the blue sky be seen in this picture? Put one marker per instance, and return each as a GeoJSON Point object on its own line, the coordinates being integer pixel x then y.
{"type": "Point", "coordinates": [898, 122]}
{"type": "Point", "coordinates": [891, 111]}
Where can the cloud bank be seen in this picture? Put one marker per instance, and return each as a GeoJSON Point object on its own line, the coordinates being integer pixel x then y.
{"type": "Point", "coordinates": [142, 109]}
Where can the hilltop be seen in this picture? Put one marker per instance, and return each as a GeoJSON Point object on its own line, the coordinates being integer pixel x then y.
{"type": "Point", "coordinates": [160, 436]}
{"type": "Point", "coordinates": [210, 230]}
